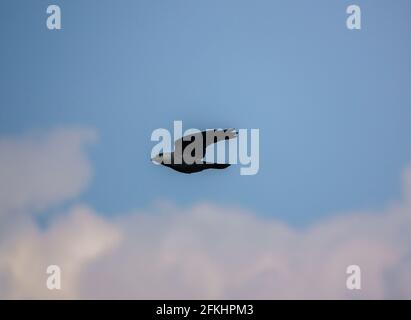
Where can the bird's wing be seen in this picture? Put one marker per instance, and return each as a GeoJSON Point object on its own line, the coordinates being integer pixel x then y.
{"type": "Point", "coordinates": [206, 138]}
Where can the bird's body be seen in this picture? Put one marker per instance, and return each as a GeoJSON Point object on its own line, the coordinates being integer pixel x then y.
{"type": "Point", "coordinates": [193, 168]}
{"type": "Point", "coordinates": [191, 149]}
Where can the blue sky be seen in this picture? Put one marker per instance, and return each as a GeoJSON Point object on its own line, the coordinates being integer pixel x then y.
{"type": "Point", "coordinates": [333, 106]}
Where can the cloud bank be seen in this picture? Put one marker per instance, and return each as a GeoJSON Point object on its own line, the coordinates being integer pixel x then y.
{"type": "Point", "coordinates": [205, 251]}
{"type": "Point", "coordinates": [41, 170]}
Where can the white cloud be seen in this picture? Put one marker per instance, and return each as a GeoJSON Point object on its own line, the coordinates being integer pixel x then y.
{"type": "Point", "coordinates": [213, 252]}
{"type": "Point", "coordinates": [38, 171]}
{"type": "Point", "coordinates": [71, 242]}
{"type": "Point", "coordinates": [205, 251]}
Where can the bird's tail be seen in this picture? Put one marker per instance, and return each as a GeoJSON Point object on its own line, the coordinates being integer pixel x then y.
{"type": "Point", "coordinates": [216, 165]}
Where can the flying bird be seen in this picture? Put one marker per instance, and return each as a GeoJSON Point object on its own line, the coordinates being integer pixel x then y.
{"type": "Point", "coordinates": [190, 150]}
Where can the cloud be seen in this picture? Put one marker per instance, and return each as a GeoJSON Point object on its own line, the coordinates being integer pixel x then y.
{"type": "Point", "coordinates": [213, 252]}
{"type": "Point", "coordinates": [205, 251]}
{"type": "Point", "coordinates": [71, 242]}
{"type": "Point", "coordinates": [39, 171]}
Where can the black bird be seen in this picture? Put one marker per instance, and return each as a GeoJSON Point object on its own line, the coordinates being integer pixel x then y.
{"type": "Point", "coordinates": [190, 150]}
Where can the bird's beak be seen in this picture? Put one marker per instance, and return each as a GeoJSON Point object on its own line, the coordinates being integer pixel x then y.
{"type": "Point", "coordinates": [154, 160]}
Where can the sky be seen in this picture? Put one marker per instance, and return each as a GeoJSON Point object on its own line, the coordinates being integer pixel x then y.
{"type": "Point", "coordinates": [333, 106]}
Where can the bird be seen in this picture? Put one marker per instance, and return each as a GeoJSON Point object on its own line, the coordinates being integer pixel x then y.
{"type": "Point", "coordinates": [188, 157]}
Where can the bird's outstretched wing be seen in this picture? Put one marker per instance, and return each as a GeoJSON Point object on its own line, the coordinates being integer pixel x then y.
{"type": "Point", "coordinates": [203, 139]}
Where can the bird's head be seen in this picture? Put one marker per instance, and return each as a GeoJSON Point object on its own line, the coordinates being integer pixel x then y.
{"type": "Point", "coordinates": [162, 158]}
